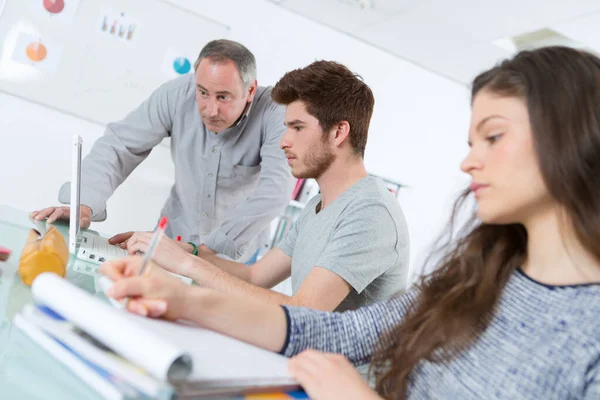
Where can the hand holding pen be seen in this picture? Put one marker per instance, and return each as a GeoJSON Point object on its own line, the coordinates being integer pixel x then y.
{"type": "Point", "coordinates": [158, 233]}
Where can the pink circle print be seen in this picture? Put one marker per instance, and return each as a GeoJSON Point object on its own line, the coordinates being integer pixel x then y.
{"type": "Point", "coordinates": [54, 6]}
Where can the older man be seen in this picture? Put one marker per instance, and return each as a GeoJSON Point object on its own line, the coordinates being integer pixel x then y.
{"type": "Point", "coordinates": [231, 177]}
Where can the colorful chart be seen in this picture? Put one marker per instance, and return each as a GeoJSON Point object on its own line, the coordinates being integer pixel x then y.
{"type": "Point", "coordinates": [54, 6]}
{"type": "Point", "coordinates": [177, 61]}
{"type": "Point", "coordinates": [41, 53]}
{"type": "Point", "coordinates": [36, 51]}
{"type": "Point", "coordinates": [119, 26]}
{"type": "Point", "coordinates": [182, 65]}
{"type": "Point", "coordinates": [56, 11]}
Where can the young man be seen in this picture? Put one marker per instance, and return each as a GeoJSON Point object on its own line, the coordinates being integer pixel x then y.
{"type": "Point", "coordinates": [349, 248]}
{"type": "Point", "coordinates": [231, 177]}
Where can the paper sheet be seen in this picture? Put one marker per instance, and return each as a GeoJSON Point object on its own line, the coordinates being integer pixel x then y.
{"type": "Point", "coordinates": [154, 344]}
{"type": "Point", "coordinates": [114, 327]}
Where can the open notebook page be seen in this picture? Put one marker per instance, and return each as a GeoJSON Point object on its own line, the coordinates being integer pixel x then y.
{"type": "Point", "coordinates": [156, 344]}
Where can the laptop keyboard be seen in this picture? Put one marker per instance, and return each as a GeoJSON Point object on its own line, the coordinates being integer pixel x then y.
{"type": "Point", "coordinates": [96, 248]}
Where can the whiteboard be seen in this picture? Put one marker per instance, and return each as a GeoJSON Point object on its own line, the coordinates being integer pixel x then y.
{"type": "Point", "coordinates": [97, 59]}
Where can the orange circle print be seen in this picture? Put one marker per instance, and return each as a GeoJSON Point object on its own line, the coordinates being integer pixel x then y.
{"type": "Point", "coordinates": [36, 51]}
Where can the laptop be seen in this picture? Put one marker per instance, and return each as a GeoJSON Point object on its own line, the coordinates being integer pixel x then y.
{"type": "Point", "coordinates": [86, 245]}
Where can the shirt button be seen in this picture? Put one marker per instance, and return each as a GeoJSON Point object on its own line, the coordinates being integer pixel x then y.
{"type": "Point", "coordinates": [209, 195]}
{"type": "Point", "coordinates": [205, 214]}
{"type": "Point", "coordinates": [210, 175]}
{"type": "Point", "coordinates": [205, 233]}
{"type": "Point", "coordinates": [214, 149]}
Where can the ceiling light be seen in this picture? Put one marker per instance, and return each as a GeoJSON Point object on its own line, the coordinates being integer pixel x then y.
{"type": "Point", "coordinates": [536, 39]}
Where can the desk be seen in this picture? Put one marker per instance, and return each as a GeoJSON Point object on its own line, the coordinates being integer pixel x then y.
{"type": "Point", "coordinates": [26, 371]}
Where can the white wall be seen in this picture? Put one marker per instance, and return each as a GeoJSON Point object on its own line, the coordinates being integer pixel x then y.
{"type": "Point", "coordinates": [418, 132]}
{"type": "Point", "coordinates": [36, 160]}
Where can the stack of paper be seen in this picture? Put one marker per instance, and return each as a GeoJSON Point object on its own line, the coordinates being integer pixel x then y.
{"type": "Point", "coordinates": [123, 355]}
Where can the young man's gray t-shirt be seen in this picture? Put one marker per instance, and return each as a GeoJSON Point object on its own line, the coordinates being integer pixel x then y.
{"type": "Point", "coordinates": [361, 236]}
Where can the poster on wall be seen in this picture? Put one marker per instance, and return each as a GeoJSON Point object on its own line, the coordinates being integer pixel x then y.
{"type": "Point", "coordinates": [62, 11]}
{"type": "Point", "coordinates": [36, 52]}
{"type": "Point", "coordinates": [177, 62]}
{"type": "Point", "coordinates": [107, 61]}
{"type": "Point", "coordinates": [119, 27]}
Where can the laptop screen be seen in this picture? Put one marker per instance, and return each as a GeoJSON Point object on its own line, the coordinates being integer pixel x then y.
{"type": "Point", "coordinates": [75, 209]}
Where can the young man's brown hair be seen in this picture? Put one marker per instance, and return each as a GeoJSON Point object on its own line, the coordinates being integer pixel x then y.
{"type": "Point", "coordinates": [332, 93]}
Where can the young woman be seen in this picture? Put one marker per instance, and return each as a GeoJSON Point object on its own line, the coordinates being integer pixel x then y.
{"type": "Point", "coordinates": [512, 311]}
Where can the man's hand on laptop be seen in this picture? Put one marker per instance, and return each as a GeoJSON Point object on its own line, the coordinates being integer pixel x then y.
{"type": "Point", "coordinates": [121, 239]}
{"type": "Point", "coordinates": [170, 254]}
{"type": "Point", "coordinates": [63, 213]}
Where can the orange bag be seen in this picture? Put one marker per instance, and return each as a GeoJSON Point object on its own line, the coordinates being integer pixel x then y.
{"type": "Point", "coordinates": [48, 253]}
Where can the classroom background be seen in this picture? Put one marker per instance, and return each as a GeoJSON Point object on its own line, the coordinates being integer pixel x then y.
{"type": "Point", "coordinates": [417, 56]}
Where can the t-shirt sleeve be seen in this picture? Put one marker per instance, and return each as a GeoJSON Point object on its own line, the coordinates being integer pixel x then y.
{"type": "Point", "coordinates": [363, 245]}
{"type": "Point", "coordinates": [288, 243]}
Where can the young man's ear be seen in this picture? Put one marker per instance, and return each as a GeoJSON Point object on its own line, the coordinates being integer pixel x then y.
{"type": "Point", "coordinates": [342, 130]}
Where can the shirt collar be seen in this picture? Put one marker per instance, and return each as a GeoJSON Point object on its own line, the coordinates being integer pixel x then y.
{"type": "Point", "coordinates": [244, 114]}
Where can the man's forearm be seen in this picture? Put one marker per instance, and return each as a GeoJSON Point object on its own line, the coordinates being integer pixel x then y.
{"type": "Point", "coordinates": [239, 270]}
{"type": "Point", "coordinates": [208, 275]}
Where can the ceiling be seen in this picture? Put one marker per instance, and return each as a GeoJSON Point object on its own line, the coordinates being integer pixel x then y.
{"type": "Point", "coordinates": [459, 38]}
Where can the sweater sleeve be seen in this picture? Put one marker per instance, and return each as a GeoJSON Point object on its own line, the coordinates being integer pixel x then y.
{"type": "Point", "coordinates": [353, 334]}
{"type": "Point", "coordinates": [592, 387]}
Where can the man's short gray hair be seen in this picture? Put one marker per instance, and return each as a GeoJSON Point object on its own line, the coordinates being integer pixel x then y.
{"type": "Point", "coordinates": [222, 50]}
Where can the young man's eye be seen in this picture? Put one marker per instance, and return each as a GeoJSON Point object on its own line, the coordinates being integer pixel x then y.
{"type": "Point", "coordinates": [299, 128]}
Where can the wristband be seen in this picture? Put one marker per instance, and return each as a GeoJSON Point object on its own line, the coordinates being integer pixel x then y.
{"type": "Point", "coordinates": [195, 252]}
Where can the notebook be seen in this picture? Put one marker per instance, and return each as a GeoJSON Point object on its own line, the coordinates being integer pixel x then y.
{"type": "Point", "coordinates": [86, 245]}
{"type": "Point", "coordinates": [133, 355]}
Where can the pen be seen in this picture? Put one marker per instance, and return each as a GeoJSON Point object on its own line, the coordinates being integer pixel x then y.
{"type": "Point", "coordinates": [151, 248]}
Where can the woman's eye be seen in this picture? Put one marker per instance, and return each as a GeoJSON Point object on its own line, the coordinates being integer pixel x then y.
{"type": "Point", "coordinates": [494, 138]}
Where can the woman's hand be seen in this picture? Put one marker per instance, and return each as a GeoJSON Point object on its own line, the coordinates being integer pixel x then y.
{"type": "Point", "coordinates": [327, 376]}
{"type": "Point", "coordinates": [155, 293]}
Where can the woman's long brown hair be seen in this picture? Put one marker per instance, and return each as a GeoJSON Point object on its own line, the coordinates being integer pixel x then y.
{"type": "Point", "coordinates": [561, 87]}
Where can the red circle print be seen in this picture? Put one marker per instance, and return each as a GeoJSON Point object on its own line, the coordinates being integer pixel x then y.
{"type": "Point", "coordinates": [54, 6]}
